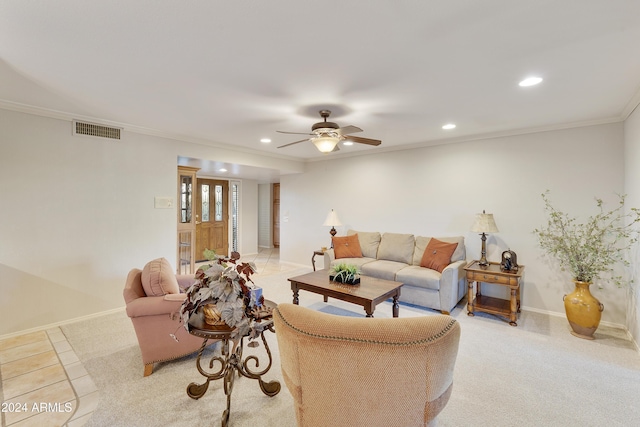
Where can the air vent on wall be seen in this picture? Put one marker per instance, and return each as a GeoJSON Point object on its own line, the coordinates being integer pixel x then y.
{"type": "Point", "coordinates": [92, 129]}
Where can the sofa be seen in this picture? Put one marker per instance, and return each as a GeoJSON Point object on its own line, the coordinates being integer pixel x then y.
{"type": "Point", "coordinates": [343, 370]}
{"type": "Point", "coordinates": [398, 257]}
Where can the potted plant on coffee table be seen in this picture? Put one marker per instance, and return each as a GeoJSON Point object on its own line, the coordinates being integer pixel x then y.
{"type": "Point", "coordinates": [590, 251]}
{"type": "Point", "coordinates": [345, 273]}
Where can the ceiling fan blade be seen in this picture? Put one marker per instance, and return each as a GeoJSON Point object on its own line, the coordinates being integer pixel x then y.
{"type": "Point", "coordinates": [295, 142]}
{"type": "Point", "coordinates": [361, 140]}
{"type": "Point", "coordinates": [295, 133]}
{"type": "Point", "coordinates": [336, 148]}
{"type": "Point", "coordinates": [349, 129]}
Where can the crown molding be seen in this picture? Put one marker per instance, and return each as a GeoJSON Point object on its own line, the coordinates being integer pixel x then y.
{"type": "Point", "coordinates": [479, 137]}
{"type": "Point", "coordinates": [62, 115]}
{"type": "Point", "coordinates": [29, 109]}
{"type": "Point", "coordinates": [631, 105]}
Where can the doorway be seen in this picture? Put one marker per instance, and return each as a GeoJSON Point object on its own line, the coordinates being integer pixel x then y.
{"type": "Point", "coordinates": [212, 217]}
{"type": "Point", "coordinates": [276, 215]}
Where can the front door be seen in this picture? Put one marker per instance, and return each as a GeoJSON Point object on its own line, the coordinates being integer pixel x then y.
{"type": "Point", "coordinates": [212, 217]}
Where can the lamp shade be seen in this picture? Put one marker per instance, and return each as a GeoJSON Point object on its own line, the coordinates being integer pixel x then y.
{"type": "Point", "coordinates": [484, 223]}
{"type": "Point", "coordinates": [325, 144]}
{"type": "Point", "coordinates": [332, 219]}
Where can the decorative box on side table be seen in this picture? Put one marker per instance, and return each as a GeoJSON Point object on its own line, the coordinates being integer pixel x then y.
{"type": "Point", "coordinates": [494, 275]}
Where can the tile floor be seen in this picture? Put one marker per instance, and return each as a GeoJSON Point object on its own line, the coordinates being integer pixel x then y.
{"type": "Point", "coordinates": [43, 382]}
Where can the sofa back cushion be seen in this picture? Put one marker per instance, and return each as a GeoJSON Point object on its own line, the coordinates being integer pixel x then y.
{"type": "Point", "coordinates": [369, 242]}
{"type": "Point", "coordinates": [346, 247]}
{"type": "Point", "coordinates": [421, 243]}
{"type": "Point", "coordinates": [396, 247]}
{"type": "Point", "coordinates": [158, 278]}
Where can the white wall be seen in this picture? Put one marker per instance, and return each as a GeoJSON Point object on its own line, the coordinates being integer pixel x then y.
{"type": "Point", "coordinates": [248, 238]}
{"type": "Point", "coordinates": [77, 213]}
{"type": "Point", "coordinates": [265, 220]}
{"type": "Point", "coordinates": [632, 188]}
{"type": "Point", "coordinates": [436, 191]}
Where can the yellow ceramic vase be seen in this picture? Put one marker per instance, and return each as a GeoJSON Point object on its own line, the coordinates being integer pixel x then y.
{"type": "Point", "coordinates": [583, 311]}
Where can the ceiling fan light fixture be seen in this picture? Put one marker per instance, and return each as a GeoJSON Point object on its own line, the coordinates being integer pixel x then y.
{"type": "Point", "coordinates": [325, 144]}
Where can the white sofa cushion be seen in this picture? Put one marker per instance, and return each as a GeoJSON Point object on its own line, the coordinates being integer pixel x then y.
{"type": "Point", "coordinates": [421, 277]}
{"type": "Point", "coordinates": [421, 244]}
{"type": "Point", "coordinates": [358, 262]}
{"type": "Point", "coordinates": [396, 247]}
{"type": "Point", "coordinates": [383, 269]}
{"type": "Point", "coordinates": [369, 242]}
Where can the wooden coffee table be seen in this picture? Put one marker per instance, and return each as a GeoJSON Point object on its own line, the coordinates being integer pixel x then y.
{"type": "Point", "coordinates": [369, 293]}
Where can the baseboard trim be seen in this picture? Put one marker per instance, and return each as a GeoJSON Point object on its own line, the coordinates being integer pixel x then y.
{"type": "Point", "coordinates": [62, 323]}
{"type": "Point", "coordinates": [556, 314]}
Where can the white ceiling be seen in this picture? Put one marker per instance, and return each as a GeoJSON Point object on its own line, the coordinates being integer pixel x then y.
{"type": "Point", "coordinates": [233, 72]}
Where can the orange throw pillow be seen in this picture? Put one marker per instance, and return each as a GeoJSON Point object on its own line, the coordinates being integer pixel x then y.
{"type": "Point", "coordinates": [437, 255]}
{"type": "Point", "coordinates": [347, 247]}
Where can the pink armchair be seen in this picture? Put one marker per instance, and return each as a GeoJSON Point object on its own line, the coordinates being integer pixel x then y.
{"type": "Point", "coordinates": [155, 317]}
{"type": "Point", "coordinates": [366, 372]}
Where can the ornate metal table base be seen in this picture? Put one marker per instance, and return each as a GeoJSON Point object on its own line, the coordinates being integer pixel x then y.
{"type": "Point", "coordinates": [230, 362]}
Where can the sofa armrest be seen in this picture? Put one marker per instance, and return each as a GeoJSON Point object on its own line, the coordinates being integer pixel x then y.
{"type": "Point", "coordinates": [449, 285]}
{"type": "Point", "coordinates": [329, 257]}
{"type": "Point", "coordinates": [153, 306]}
{"type": "Point", "coordinates": [185, 281]}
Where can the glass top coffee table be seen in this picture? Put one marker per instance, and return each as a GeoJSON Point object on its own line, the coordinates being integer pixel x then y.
{"type": "Point", "coordinates": [368, 293]}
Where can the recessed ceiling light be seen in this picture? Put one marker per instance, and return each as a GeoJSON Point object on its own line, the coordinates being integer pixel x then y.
{"type": "Point", "coordinates": [347, 143]}
{"type": "Point", "coordinates": [222, 170]}
{"type": "Point", "coordinates": [265, 140]}
{"type": "Point", "coordinates": [449, 126]}
{"type": "Point", "coordinates": [530, 81]}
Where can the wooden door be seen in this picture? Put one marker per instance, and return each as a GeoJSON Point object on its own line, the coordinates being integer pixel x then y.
{"type": "Point", "coordinates": [276, 215]}
{"type": "Point", "coordinates": [212, 217]}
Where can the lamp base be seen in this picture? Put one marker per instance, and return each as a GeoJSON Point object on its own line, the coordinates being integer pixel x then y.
{"type": "Point", "coordinates": [483, 258]}
{"type": "Point", "coordinates": [333, 232]}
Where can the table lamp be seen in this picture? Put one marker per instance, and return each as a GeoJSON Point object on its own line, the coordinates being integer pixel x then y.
{"type": "Point", "coordinates": [332, 221]}
{"type": "Point", "coordinates": [484, 224]}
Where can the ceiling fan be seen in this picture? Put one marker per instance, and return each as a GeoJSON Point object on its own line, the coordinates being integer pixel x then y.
{"type": "Point", "coordinates": [326, 135]}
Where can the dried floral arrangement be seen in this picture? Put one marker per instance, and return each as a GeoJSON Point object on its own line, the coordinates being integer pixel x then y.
{"type": "Point", "coordinates": [226, 284]}
{"type": "Point", "coordinates": [590, 250]}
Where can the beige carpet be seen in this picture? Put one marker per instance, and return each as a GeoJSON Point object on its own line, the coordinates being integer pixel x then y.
{"type": "Point", "coordinates": [536, 374]}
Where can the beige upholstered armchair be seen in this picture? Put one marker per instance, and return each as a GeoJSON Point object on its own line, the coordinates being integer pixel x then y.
{"type": "Point", "coordinates": [153, 299]}
{"type": "Point", "coordinates": [366, 372]}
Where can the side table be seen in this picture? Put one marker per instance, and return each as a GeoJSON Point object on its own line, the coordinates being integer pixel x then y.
{"type": "Point", "coordinates": [494, 275]}
{"type": "Point", "coordinates": [313, 258]}
{"type": "Point", "coordinates": [230, 361]}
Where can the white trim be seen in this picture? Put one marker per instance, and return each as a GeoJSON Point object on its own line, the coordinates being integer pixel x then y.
{"type": "Point", "coordinates": [555, 314]}
{"type": "Point", "coordinates": [239, 219]}
{"type": "Point", "coordinates": [64, 322]}
{"type": "Point", "coordinates": [476, 137]}
{"type": "Point", "coordinates": [631, 105]}
{"type": "Point", "coordinates": [61, 115]}
{"type": "Point", "coordinates": [153, 132]}
{"type": "Point", "coordinates": [612, 325]}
